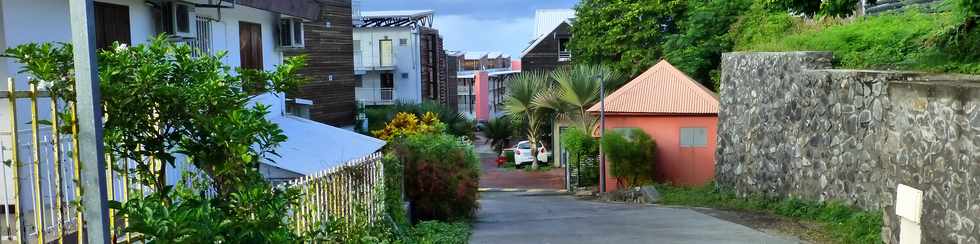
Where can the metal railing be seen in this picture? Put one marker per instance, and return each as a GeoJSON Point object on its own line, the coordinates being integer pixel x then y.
{"type": "Point", "coordinates": [375, 96]}
{"type": "Point", "coordinates": [564, 56]}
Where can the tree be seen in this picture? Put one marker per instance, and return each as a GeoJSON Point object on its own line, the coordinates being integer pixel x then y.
{"type": "Point", "coordinates": [696, 49]}
{"type": "Point", "coordinates": [161, 100]}
{"type": "Point", "coordinates": [577, 89]}
{"type": "Point", "coordinates": [626, 35]}
{"type": "Point", "coordinates": [498, 132]}
{"type": "Point", "coordinates": [521, 104]}
{"type": "Point", "coordinates": [631, 155]}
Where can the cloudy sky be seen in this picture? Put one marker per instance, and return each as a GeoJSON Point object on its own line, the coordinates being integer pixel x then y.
{"type": "Point", "coordinates": [478, 25]}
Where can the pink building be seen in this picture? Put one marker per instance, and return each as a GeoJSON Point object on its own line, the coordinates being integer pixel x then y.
{"type": "Point", "coordinates": [679, 113]}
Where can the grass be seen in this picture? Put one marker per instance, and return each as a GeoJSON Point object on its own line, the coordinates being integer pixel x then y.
{"type": "Point", "coordinates": [844, 223]}
{"type": "Point", "coordinates": [906, 40]}
{"type": "Point", "coordinates": [435, 232]}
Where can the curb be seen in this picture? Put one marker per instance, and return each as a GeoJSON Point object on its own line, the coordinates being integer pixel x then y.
{"type": "Point", "coordinates": [523, 190]}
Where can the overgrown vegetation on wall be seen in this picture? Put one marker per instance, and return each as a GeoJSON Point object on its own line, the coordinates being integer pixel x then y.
{"type": "Point", "coordinates": [441, 176]}
{"type": "Point", "coordinates": [456, 123]}
{"type": "Point", "coordinates": [632, 35]}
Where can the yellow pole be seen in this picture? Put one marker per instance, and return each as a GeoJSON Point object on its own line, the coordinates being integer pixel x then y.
{"type": "Point", "coordinates": [79, 221]}
{"type": "Point", "coordinates": [57, 169]}
{"type": "Point", "coordinates": [38, 201]}
{"type": "Point", "coordinates": [129, 237]}
{"type": "Point", "coordinates": [110, 195]}
{"type": "Point", "coordinates": [14, 160]}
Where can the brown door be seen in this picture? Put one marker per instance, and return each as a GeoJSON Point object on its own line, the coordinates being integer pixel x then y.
{"type": "Point", "coordinates": [111, 25]}
{"type": "Point", "coordinates": [250, 48]}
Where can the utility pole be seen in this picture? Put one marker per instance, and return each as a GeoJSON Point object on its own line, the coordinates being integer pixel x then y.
{"type": "Point", "coordinates": [602, 134]}
{"type": "Point", "coordinates": [88, 100]}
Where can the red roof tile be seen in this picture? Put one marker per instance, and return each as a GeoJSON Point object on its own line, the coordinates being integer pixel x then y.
{"type": "Point", "coordinates": [662, 89]}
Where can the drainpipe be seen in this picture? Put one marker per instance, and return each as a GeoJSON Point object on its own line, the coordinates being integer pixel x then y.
{"type": "Point", "coordinates": [602, 133]}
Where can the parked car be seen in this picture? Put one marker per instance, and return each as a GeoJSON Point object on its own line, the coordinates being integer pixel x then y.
{"type": "Point", "coordinates": [523, 157]}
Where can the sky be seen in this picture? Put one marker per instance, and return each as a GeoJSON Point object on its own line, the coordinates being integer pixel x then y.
{"type": "Point", "coordinates": [505, 26]}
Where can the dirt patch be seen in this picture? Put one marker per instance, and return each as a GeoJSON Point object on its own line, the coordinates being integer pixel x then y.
{"type": "Point", "coordinates": [805, 231]}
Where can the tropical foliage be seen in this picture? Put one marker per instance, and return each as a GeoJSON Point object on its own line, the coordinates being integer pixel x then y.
{"type": "Point", "coordinates": [523, 105]}
{"type": "Point", "coordinates": [631, 154]}
{"type": "Point", "coordinates": [407, 124]}
{"type": "Point", "coordinates": [441, 176]}
{"type": "Point", "coordinates": [498, 131]}
{"type": "Point", "coordinates": [456, 123]}
{"type": "Point", "coordinates": [583, 151]}
{"type": "Point", "coordinates": [160, 100]}
{"type": "Point", "coordinates": [575, 90]}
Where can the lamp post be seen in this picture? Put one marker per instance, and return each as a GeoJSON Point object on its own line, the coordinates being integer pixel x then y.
{"type": "Point", "coordinates": [602, 133]}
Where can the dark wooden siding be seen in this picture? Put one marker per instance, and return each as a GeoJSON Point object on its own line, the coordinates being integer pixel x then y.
{"type": "Point", "coordinates": [544, 56]}
{"type": "Point", "coordinates": [330, 53]}
{"type": "Point", "coordinates": [437, 81]}
{"type": "Point", "coordinates": [452, 67]}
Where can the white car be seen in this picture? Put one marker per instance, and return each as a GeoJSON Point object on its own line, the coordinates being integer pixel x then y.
{"type": "Point", "coordinates": [523, 157]}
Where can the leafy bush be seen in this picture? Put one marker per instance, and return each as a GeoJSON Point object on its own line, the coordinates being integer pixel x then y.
{"type": "Point", "coordinates": [441, 176]}
{"type": "Point", "coordinates": [582, 149]}
{"type": "Point", "coordinates": [394, 187]}
{"type": "Point", "coordinates": [456, 123]}
{"type": "Point", "coordinates": [498, 131]}
{"type": "Point", "coordinates": [631, 154]}
{"type": "Point", "coordinates": [407, 124]}
{"type": "Point", "coordinates": [703, 37]}
{"type": "Point", "coordinates": [433, 232]}
{"type": "Point", "coordinates": [845, 223]}
{"type": "Point", "coordinates": [161, 100]}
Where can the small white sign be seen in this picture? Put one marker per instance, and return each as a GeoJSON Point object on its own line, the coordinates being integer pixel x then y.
{"type": "Point", "coordinates": [908, 203]}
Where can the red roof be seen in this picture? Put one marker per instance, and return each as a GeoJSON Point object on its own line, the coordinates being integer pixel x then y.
{"type": "Point", "coordinates": [662, 89]}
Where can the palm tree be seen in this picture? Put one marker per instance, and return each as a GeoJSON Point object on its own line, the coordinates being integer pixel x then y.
{"type": "Point", "coordinates": [525, 93]}
{"type": "Point", "coordinates": [577, 89]}
{"type": "Point", "coordinates": [498, 131]}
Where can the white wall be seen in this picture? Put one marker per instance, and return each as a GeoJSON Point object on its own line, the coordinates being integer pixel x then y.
{"type": "Point", "coordinates": [407, 60]}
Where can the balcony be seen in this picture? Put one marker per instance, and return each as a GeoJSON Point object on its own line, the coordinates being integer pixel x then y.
{"type": "Point", "coordinates": [374, 96]}
{"type": "Point", "coordinates": [564, 56]}
{"type": "Point", "coordinates": [386, 61]}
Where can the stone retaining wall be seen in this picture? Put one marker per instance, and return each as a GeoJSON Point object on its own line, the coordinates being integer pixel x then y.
{"type": "Point", "coordinates": [789, 126]}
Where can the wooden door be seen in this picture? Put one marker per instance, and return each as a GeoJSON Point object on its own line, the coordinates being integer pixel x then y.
{"type": "Point", "coordinates": [250, 45]}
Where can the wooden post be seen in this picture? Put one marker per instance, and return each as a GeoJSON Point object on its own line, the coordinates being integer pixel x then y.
{"type": "Point", "coordinates": [93, 178]}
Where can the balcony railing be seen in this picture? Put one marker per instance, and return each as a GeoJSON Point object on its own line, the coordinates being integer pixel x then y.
{"type": "Point", "coordinates": [375, 96]}
{"type": "Point", "coordinates": [374, 62]}
{"type": "Point", "coordinates": [564, 56]}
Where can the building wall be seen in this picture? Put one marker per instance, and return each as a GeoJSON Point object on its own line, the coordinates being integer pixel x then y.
{"type": "Point", "coordinates": [432, 62]}
{"type": "Point", "coordinates": [544, 56]}
{"type": "Point", "coordinates": [407, 60]}
{"type": "Point", "coordinates": [686, 166]}
{"type": "Point", "coordinates": [791, 128]}
{"type": "Point", "coordinates": [330, 64]}
{"type": "Point", "coordinates": [481, 89]}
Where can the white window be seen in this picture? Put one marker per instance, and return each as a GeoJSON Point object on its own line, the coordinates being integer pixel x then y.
{"type": "Point", "coordinates": [291, 32]}
{"type": "Point", "coordinates": [694, 137]}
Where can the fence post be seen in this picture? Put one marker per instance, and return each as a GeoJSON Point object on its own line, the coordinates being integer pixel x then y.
{"type": "Point", "coordinates": [93, 178]}
{"type": "Point", "coordinates": [14, 158]}
{"type": "Point", "coordinates": [36, 155]}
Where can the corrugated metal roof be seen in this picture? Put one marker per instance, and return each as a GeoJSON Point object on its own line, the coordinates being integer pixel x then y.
{"type": "Point", "coordinates": [398, 13]}
{"type": "Point", "coordinates": [545, 20]}
{"type": "Point", "coordinates": [662, 89]}
{"type": "Point", "coordinates": [474, 55]}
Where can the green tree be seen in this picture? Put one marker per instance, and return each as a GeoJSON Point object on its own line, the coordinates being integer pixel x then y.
{"type": "Point", "coordinates": [580, 146]}
{"type": "Point", "coordinates": [160, 100]}
{"type": "Point", "coordinates": [497, 132]}
{"type": "Point", "coordinates": [626, 35]}
{"type": "Point", "coordinates": [696, 49]}
{"type": "Point", "coordinates": [521, 104]}
{"type": "Point", "coordinates": [631, 155]}
{"type": "Point", "coordinates": [576, 89]}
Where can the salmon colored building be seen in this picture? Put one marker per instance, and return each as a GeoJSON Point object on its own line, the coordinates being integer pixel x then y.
{"type": "Point", "coordinates": [679, 113]}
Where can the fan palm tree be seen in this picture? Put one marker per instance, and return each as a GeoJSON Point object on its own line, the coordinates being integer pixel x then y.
{"type": "Point", "coordinates": [577, 89]}
{"type": "Point", "coordinates": [498, 131]}
{"type": "Point", "coordinates": [525, 93]}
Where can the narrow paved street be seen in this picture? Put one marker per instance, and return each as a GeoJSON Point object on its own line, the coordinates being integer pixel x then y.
{"type": "Point", "coordinates": [522, 217]}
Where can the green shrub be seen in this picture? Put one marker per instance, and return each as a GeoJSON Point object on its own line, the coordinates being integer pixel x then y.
{"type": "Point", "coordinates": [631, 154]}
{"type": "Point", "coordinates": [441, 176]}
{"type": "Point", "coordinates": [456, 123]}
{"type": "Point", "coordinates": [433, 232]}
{"type": "Point", "coordinates": [582, 149]}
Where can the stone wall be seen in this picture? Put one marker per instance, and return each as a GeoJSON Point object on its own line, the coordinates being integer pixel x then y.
{"type": "Point", "coordinates": [791, 127]}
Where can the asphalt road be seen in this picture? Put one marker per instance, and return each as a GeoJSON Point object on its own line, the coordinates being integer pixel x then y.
{"type": "Point", "coordinates": [522, 217]}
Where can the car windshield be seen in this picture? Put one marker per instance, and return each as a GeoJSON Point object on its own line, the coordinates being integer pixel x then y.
{"type": "Point", "coordinates": [524, 146]}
